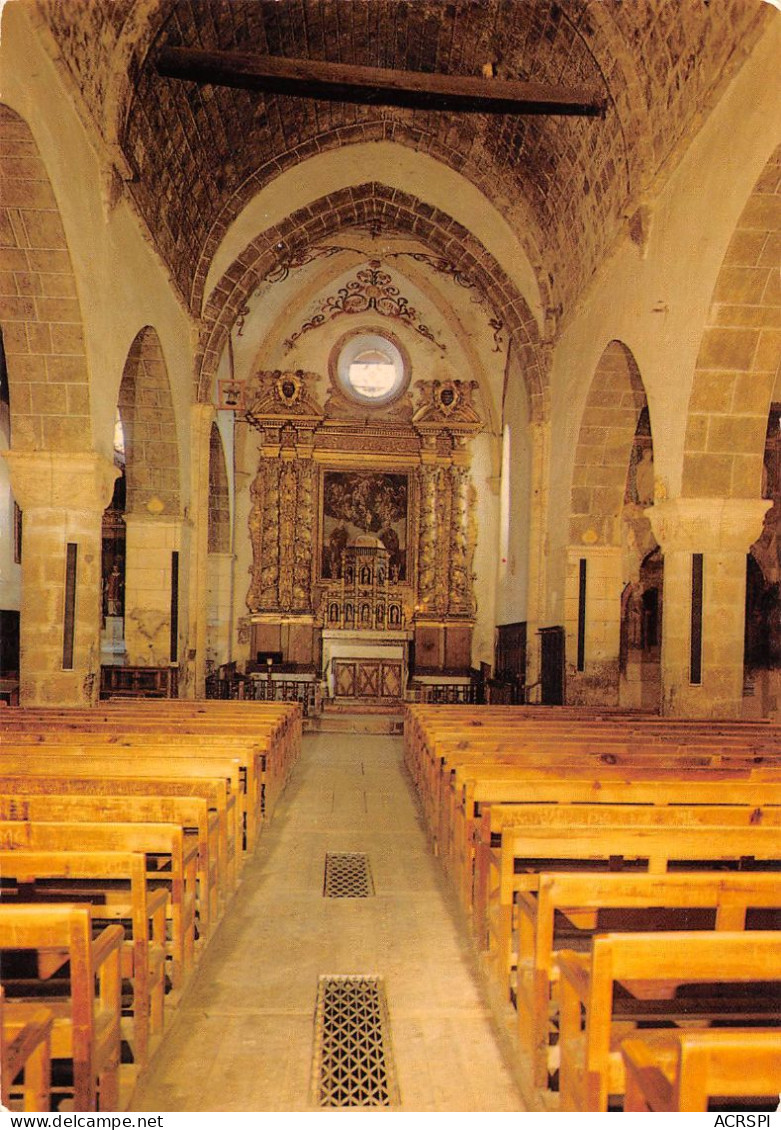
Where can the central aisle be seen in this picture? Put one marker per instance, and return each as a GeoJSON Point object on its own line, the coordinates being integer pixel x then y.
{"type": "Point", "coordinates": [243, 1037]}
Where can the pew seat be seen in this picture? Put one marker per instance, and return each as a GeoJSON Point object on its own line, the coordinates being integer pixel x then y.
{"type": "Point", "coordinates": [631, 978]}
{"type": "Point", "coordinates": [566, 910]}
{"type": "Point", "coordinates": [170, 859]}
{"type": "Point", "coordinates": [26, 1050]}
{"type": "Point", "coordinates": [682, 1070]}
{"type": "Point", "coordinates": [86, 1019]}
{"type": "Point", "coordinates": [115, 885]}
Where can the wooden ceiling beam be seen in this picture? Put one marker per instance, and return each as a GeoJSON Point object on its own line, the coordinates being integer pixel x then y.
{"type": "Point", "coordinates": [310, 78]}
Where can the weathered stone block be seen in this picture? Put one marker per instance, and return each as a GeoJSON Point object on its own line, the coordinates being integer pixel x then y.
{"type": "Point", "coordinates": [727, 348]}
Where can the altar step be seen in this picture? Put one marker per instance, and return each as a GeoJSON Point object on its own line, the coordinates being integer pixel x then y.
{"type": "Point", "coordinates": [349, 717]}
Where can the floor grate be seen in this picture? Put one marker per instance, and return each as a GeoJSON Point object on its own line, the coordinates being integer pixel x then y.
{"type": "Point", "coordinates": [347, 876]}
{"type": "Point", "coordinates": [352, 1062]}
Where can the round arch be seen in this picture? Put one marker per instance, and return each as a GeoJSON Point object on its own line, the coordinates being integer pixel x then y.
{"type": "Point", "coordinates": [739, 355]}
{"type": "Point", "coordinates": [147, 414]}
{"type": "Point", "coordinates": [603, 455]}
{"type": "Point", "coordinates": [43, 330]}
{"type": "Point", "coordinates": [373, 206]}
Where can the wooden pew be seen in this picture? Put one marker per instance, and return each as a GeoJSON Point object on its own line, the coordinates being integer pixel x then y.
{"type": "Point", "coordinates": [171, 863]}
{"type": "Point", "coordinates": [273, 736]}
{"type": "Point", "coordinates": [681, 1070]}
{"type": "Point", "coordinates": [190, 813]}
{"type": "Point", "coordinates": [115, 883]}
{"type": "Point", "coordinates": [174, 757]}
{"type": "Point", "coordinates": [506, 731]}
{"type": "Point", "coordinates": [106, 762]}
{"type": "Point", "coordinates": [478, 843]}
{"type": "Point", "coordinates": [532, 850]}
{"type": "Point", "coordinates": [86, 1027]}
{"type": "Point", "coordinates": [649, 966]}
{"type": "Point", "coordinates": [442, 802]}
{"type": "Point", "coordinates": [214, 792]}
{"type": "Point", "coordinates": [446, 806]}
{"type": "Point", "coordinates": [25, 1048]}
{"type": "Point", "coordinates": [500, 820]}
{"type": "Point", "coordinates": [425, 727]}
{"type": "Point", "coordinates": [577, 900]}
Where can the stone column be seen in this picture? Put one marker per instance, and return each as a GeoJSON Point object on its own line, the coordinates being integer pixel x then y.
{"type": "Point", "coordinates": [536, 601]}
{"type": "Point", "coordinates": [220, 608]}
{"type": "Point", "coordinates": [597, 682]}
{"type": "Point", "coordinates": [151, 540]}
{"type": "Point", "coordinates": [722, 531]}
{"type": "Point", "coordinates": [62, 497]}
{"type": "Point", "coordinates": [194, 663]}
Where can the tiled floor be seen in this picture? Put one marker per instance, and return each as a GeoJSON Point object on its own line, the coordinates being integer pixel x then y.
{"type": "Point", "coordinates": [243, 1037]}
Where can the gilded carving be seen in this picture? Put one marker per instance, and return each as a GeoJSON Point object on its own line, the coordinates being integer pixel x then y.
{"type": "Point", "coordinates": [396, 489]}
{"type": "Point", "coordinates": [304, 537]}
{"type": "Point", "coordinates": [460, 598]}
{"type": "Point", "coordinates": [256, 539]}
{"type": "Point", "coordinates": [274, 394]}
{"type": "Point", "coordinates": [446, 404]}
{"type": "Point", "coordinates": [268, 574]}
{"type": "Point", "coordinates": [427, 560]}
{"type": "Point", "coordinates": [287, 526]}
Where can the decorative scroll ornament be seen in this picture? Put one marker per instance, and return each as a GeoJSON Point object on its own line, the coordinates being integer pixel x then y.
{"type": "Point", "coordinates": [371, 291]}
{"type": "Point", "coordinates": [444, 267]}
{"type": "Point", "coordinates": [281, 270]}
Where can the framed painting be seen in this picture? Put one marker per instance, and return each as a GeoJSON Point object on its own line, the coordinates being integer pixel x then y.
{"type": "Point", "coordinates": [364, 502]}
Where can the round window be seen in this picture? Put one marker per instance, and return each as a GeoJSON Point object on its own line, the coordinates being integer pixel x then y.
{"type": "Point", "coordinates": [370, 368]}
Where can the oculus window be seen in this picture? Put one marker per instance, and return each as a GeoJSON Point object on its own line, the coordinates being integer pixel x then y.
{"type": "Point", "coordinates": [371, 369]}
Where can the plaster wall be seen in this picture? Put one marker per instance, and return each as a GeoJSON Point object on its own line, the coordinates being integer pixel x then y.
{"type": "Point", "coordinates": [513, 570]}
{"type": "Point", "coordinates": [486, 513]}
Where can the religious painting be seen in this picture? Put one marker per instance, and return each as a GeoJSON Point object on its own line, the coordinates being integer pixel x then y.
{"type": "Point", "coordinates": [364, 502]}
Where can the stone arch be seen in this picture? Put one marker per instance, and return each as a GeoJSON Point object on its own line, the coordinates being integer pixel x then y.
{"type": "Point", "coordinates": [603, 457]}
{"type": "Point", "coordinates": [147, 414]}
{"type": "Point", "coordinates": [739, 355]}
{"type": "Point", "coordinates": [219, 522]}
{"type": "Point", "coordinates": [40, 311]}
{"type": "Point", "coordinates": [372, 206]}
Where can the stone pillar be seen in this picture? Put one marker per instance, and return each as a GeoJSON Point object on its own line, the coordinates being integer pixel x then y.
{"type": "Point", "coordinates": [151, 541]}
{"type": "Point", "coordinates": [597, 682]}
{"type": "Point", "coordinates": [722, 531]}
{"type": "Point", "coordinates": [537, 597]}
{"type": "Point", "coordinates": [220, 608]}
{"type": "Point", "coordinates": [194, 663]}
{"type": "Point", "coordinates": [62, 497]}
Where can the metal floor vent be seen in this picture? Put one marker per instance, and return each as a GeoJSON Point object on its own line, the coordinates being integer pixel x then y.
{"type": "Point", "coordinates": [347, 876]}
{"type": "Point", "coordinates": [352, 1066]}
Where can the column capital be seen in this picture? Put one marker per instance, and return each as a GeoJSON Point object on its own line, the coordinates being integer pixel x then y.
{"type": "Point", "coordinates": [707, 525]}
{"type": "Point", "coordinates": [61, 480]}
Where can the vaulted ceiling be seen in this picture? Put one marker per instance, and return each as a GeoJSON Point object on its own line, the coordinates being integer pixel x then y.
{"type": "Point", "coordinates": [194, 155]}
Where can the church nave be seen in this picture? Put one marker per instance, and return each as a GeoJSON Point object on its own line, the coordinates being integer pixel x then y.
{"type": "Point", "coordinates": [243, 1036]}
